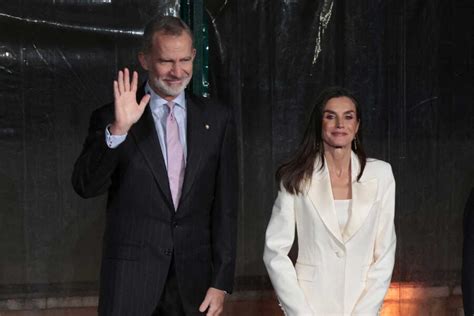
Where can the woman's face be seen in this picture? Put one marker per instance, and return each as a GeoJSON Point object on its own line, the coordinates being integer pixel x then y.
{"type": "Point", "coordinates": [340, 123]}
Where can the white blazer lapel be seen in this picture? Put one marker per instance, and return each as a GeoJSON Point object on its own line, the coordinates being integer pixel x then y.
{"type": "Point", "coordinates": [320, 195]}
{"type": "Point", "coordinates": [364, 194]}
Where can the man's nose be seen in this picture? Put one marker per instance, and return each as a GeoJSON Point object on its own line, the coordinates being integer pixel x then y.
{"type": "Point", "coordinates": [176, 70]}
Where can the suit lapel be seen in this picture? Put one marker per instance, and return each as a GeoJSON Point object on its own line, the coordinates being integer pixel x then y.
{"type": "Point", "coordinates": [363, 197]}
{"type": "Point", "coordinates": [146, 138]}
{"type": "Point", "coordinates": [364, 194]}
{"type": "Point", "coordinates": [320, 195]}
{"type": "Point", "coordinates": [194, 137]}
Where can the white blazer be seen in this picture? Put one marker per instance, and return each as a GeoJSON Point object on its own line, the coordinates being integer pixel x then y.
{"type": "Point", "coordinates": [336, 273]}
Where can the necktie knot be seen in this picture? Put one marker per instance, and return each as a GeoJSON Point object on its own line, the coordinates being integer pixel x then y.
{"type": "Point", "coordinates": [171, 106]}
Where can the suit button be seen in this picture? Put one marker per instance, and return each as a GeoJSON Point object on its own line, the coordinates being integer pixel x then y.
{"type": "Point", "coordinates": [168, 252]}
{"type": "Point", "coordinates": [340, 253]}
{"type": "Point", "coordinates": [174, 224]}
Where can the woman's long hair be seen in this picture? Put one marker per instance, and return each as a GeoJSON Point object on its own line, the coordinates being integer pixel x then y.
{"type": "Point", "coordinates": [299, 169]}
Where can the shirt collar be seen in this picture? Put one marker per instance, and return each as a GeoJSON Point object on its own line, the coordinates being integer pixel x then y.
{"type": "Point", "coordinates": [156, 102]}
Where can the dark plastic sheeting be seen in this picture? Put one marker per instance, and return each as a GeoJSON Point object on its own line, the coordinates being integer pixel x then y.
{"type": "Point", "coordinates": [410, 62]}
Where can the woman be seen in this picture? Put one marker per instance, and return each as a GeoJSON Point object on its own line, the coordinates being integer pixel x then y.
{"type": "Point", "coordinates": [342, 205]}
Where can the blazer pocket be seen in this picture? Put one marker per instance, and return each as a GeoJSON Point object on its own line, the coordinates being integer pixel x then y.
{"type": "Point", "coordinates": [122, 251]}
{"type": "Point", "coordinates": [305, 272]}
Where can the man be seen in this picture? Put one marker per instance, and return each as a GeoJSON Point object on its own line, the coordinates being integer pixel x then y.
{"type": "Point", "coordinates": [168, 162]}
{"type": "Point", "coordinates": [468, 257]}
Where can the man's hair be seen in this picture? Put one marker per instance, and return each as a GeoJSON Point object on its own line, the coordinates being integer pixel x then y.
{"type": "Point", "coordinates": [168, 25]}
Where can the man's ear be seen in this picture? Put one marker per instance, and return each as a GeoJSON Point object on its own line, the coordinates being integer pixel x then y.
{"type": "Point", "coordinates": [143, 59]}
{"type": "Point", "coordinates": [194, 53]}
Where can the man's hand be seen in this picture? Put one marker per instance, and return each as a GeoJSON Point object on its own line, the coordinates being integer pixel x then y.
{"type": "Point", "coordinates": [127, 110]}
{"type": "Point", "coordinates": [213, 302]}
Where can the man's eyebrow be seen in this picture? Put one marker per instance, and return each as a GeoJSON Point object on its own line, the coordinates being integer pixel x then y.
{"type": "Point", "coordinates": [171, 60]}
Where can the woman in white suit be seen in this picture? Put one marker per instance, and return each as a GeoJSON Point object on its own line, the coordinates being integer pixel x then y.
{"type": "Point", "coordinates": [342, 205]}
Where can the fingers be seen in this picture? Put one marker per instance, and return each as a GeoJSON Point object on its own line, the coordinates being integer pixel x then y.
{"type": "Point", "coordinates": [213, 303]}
{"type": "Point", "coordinates": [126, 79]}
{"type": "Point", "coordinates": [144, 100]}
{"type": "Point", "coordinates": [116, 89]}
{"type": "Point", "coordinates": [121, 87]}
{"type": "Point", "coordinates": [134, 81]}
{"type": "Point", "coordinates": [123, 82]}
{"type": "Point", "coordinates": [205, 304]}
{"type": "Point", "coordinates": [214, 311]}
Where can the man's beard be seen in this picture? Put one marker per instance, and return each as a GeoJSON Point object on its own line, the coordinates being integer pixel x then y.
{"type": "Point", "coordinates": [161, 86]}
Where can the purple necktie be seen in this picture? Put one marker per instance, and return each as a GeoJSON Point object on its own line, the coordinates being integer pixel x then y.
{"type": "Point", "coordinates": [175, 156]}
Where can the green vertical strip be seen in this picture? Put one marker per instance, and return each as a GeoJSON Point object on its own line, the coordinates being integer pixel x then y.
{"type": "Point", "coordinates": [205, 58]}
{"type": "Point", "coordinates": [192, 12]}
{"type": "Point", "coordinates": [197, 16]}
{"type": "Point", "coordinates": [185, 11]}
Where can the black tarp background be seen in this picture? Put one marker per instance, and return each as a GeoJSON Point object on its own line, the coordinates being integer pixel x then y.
{"type": "Point", "coordinates": [409, 61]}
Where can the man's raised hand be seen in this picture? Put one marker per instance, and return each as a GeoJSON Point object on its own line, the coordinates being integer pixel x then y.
{"type": "Point", "coordinates": [127, 110]}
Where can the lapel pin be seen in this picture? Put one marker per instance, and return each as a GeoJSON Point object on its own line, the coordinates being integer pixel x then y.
{"type": "Point", "coordinates": [207, 126]}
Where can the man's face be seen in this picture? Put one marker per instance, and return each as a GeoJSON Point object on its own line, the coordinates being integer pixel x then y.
{"type": "Point", "coordinates": [169, 64]}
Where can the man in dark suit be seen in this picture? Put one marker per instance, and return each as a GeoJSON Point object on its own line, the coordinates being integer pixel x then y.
{"type": "Point", "coordinates": [468, 257]}
{"type": "Point", "coordinates": [168, 162]}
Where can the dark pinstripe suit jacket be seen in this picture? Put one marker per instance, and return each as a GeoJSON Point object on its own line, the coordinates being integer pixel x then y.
{"type": "Point", "coordinates": [142, 229]}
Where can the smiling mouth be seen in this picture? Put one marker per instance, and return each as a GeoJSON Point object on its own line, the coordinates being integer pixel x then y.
{"type": "Point", "coordinates": [174, 84]}
{"type": "Point", "coordinates": [174, 81]}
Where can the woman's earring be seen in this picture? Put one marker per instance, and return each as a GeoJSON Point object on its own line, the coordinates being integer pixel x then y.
{"type": "Point", "coordinates": [355, 143]}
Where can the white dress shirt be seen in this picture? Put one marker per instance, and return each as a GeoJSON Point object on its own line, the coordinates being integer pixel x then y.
{"type": "Point", "coordinates": [343, 210]}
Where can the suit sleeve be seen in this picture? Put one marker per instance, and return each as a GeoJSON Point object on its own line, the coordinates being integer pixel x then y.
{"type": "Point", "coordinates": [279, 238]}
{"type": "Point", "coordinates": [97, 162]}
{"type": "Point", "coordinates": [380, 271]}
{"type": "Point", "coordinates": [224, 212]}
